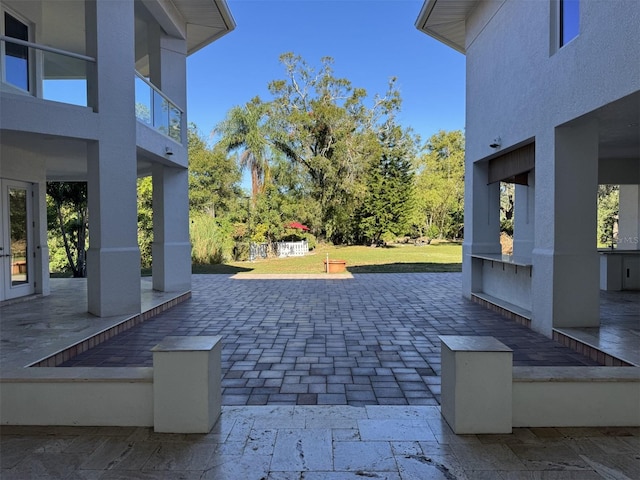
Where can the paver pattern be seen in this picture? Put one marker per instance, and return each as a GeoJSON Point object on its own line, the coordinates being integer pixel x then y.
{"type": "Point", "coordinates": [369, 340]}
{"type": "Point", "coordinates": [320, 443]}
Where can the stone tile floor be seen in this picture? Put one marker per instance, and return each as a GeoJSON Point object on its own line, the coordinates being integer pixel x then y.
{"type": "Point", "coordinates": [365, 340]}
{"type": "Point", "coordinates": [619, 330]}
{"type": "Point", "coordinates": [377, 331]}
{"type": "Point", "coordinates": [320, 443]}
{"type": "Point", "coordinates": [36, 327]}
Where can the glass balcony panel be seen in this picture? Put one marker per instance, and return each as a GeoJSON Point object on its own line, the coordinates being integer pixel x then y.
{"type": "Point", "coordinates": [143, 101]}
{"type": "Point", "coordinates": [61, 76]}
{"type": "Point", "coordinates": [64, 79]}
{"type": "Point", "coordinates": [156, 110]}
{"type": "Point", "coordinates": [175, 120]}
{"type": "Point", "coordinates": [160, 113]}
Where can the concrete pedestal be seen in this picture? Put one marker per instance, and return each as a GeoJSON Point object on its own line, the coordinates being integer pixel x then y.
{"type": "Point", "coordinates": [476, 384]}
{"type": "Point", "coordinates": [186, 384]}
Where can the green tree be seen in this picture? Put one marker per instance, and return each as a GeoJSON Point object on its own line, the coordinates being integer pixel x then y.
{"type": "Point", "coordinates": [608, 208]}
{"type": "Point", "coordinates": [440, 185]}
{"type": "Point", "coordinates": [211, 239]}
{"type": "Point", "coordinates": [214, 177]}
{"type": "Point", "coordinates": [321, 122]}
{"type": "Point", "coordinates": [215, 200]}
{"type": "Point", "coordinates": [244, 130]}
{"type": "Point", "coordinates": [388, 203]}
{"type": "Point", "coordinates": [507, 207]}
{"type": "Point", "coordinates": [68, 216]}
{"type": "Point", "coordinates": [145, 220]}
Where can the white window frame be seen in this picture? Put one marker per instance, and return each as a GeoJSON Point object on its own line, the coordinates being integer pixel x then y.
{"type": "Point", "coordinates": [556, 26]}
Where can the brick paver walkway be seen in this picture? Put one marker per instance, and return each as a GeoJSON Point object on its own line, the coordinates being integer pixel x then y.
{"type": "Point", "coordinates": [368, 340]}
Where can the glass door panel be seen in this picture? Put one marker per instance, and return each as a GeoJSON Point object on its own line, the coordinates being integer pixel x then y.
{"type": "Point", "coordinates": [16, 235]}
{"type": "Point", "coordinates": [18, 231]}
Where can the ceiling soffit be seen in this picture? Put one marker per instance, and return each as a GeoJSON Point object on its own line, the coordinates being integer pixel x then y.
{"type": "Point", "coordinates": [445, 20]}
{"type": "Point", "coordinates": [201, 22]}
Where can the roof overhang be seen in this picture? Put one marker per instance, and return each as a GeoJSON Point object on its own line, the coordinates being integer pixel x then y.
{"type": "Point", "coordinates": [445, 20]}
{"type": "Point", "coordinates": [200, 22]}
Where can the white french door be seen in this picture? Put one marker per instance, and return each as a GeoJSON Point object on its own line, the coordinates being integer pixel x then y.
{"type": "Point", "coordinates": [16, 239]}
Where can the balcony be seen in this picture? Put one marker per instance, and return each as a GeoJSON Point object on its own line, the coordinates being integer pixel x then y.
{"type": "Point", "coordinates": [61, 76]}
{"type": "Point", "coordinates": [44, 72]}
{"type": "Point", "coordinates": [153, 108]}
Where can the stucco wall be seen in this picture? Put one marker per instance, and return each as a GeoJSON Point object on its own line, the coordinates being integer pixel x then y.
{"type": "Point", "coordinates": [508, 282]}
{"type": "Point", "coordinates": [516, 88]}
{"type": "Point", "coordinates": [521, 88]}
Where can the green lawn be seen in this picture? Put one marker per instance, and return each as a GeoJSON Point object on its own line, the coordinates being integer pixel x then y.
{"type": "Point", "coordinates": [440, 257]}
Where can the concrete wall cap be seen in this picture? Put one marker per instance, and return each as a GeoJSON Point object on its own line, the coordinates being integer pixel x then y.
{"type": "Point", "coordinates": [576, 374]}
{"type": "Point", "coordinates": [187, 343]}
{"type": "Point", "coordinates": [462, 343]}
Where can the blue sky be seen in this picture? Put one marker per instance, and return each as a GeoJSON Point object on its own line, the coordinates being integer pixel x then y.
{"type": "Point", "coordinates": [369, 40]}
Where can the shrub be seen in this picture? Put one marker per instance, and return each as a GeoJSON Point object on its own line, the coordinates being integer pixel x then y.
{"type": "Point", "coordinates": [506, 226]}
{"type": "Point", "coordinates": [211, 240]}
{"type": "Point", "coordinates": [311, 240]}
{"type": "Point", "coordinates": [241, 251]}
{"type": "Point", "coordinates": [58, 262]}
{"type": "Point", "coordinates": [433, 231]}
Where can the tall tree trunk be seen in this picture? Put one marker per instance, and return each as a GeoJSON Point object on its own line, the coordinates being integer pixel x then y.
{"type": "Point", "coordinates": [65, 238]}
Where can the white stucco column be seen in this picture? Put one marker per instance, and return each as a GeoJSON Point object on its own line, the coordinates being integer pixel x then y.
{"type": "Point", "coordinates": [113, 259]}
{"type": "Point", "coordinates": [565, 276]}
{"type": "Point", "coordinates": [168, 70]}
{"type": "Point", "coordinates": [629, 218]}
{"type": "Point", "coordinates": [481, 224]}
{"type": "Point", "coordinates": [171, 244]}
{"type": "Point", "coordinates": [171, 247]}
{"type": "Point", "coordinates": [524, 216]}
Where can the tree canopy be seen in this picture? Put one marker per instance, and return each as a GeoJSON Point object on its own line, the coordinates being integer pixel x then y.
{"type": "Point", "coordinates": [440, 186]}
{"type": "Point", "coordinates": [321, 152]}
{"type": "Point", "coordinates": [318, 129]}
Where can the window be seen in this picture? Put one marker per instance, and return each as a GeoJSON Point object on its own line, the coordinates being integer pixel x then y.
{"type": "Point", "coordinates": [569, 20]}
{"type": "Point", "coordinates": [16, 56]}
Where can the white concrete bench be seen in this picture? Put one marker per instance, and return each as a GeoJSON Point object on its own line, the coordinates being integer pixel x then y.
{"type": "Point", "coordinates": [483, 393]}
{"type": "Point", "coordinates": [576, 396]}
{"type": "Point", "coordinates": [180, 394]}
{"type": "Point", "coordinates": [476, 384]}
{"type": "Point", "coordinates": [187, 384]}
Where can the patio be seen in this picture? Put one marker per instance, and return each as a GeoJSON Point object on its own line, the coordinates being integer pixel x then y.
{"type": "Point", "coordinates": [305, 340]}
{"type": "Point", "coordinates": [352, 346]}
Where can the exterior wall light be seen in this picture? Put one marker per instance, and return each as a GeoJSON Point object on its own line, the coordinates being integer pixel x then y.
{"type": "Point", "coordinates": [168, 151]}
{"type": "Point", "coordinates": [497, 143]}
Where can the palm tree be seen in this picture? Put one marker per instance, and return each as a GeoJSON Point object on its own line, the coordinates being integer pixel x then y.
{"type": "Point", "coordinates": [244, 130]}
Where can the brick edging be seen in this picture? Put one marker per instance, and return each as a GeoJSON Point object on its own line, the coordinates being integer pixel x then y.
{"type": "Point", "coordinates": [88, 343]}
{"type": "Point", "coordinates": [582, 348]}
{"type": "Point", "coordinates": [593, 353]}
{"type": "Point", "coordinates": [502, 311]}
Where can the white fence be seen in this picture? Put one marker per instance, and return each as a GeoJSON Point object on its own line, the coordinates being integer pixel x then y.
{"type": "Point", "coordinates": [279, 249]}
{"type": "Point", "coordinates": [292, 249]}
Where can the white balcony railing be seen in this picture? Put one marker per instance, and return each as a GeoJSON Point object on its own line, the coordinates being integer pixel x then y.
{"type": "Point", "coordinates": [58, 75]}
